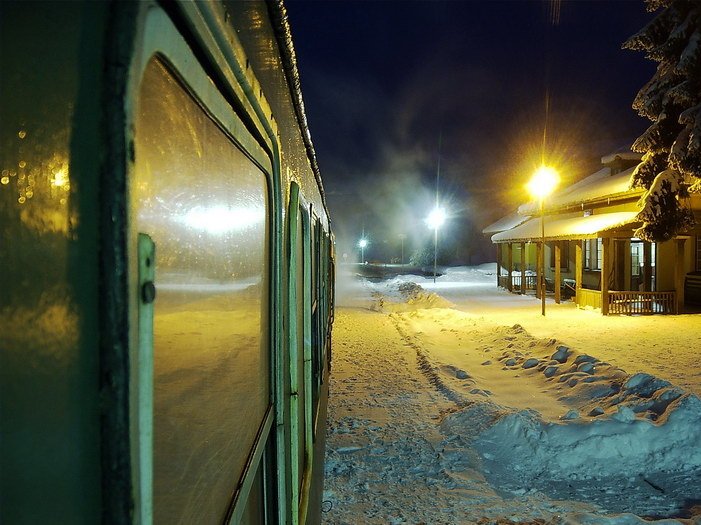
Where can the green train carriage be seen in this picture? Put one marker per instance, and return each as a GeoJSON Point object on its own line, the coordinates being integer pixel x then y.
{"type": "Point", "coordinates": [167, 283]}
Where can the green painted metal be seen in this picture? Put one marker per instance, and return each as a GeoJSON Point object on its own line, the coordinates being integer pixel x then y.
{"type": "Point", "coordinates": [300, 474]}
{"type": "Point", "coordinates": [309, 397]}
{"type": "Point", "coordinates": [50, 408]}
{"type": "Point", "coordinates": [293, 350]}
{"type": "Point", "coordinates": [146, 251]}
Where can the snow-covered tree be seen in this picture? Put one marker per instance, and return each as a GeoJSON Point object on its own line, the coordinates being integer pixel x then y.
{"type": "Point", "coordinates": [671, 146]}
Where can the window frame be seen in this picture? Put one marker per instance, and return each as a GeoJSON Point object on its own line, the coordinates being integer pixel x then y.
{"type": "Point", "coordinates": [162, 40]}
{"type": "Point", "coordinates": [593, 251]}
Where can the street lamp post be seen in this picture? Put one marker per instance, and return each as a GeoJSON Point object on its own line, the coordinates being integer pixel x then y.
{"type": "Point", "coordinates": [540, 186]}
{"type": "Point", "coordinates": [402, 236]}
{"type": "Point", "coordinates": [435, 253]}
{"type": "Point", "coordinates": [362, 243]}
{"type": "Point", "coordinates": [435, 219]}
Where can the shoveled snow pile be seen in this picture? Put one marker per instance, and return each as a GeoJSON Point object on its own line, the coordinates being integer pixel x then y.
{"type": "Point", "coordinates": [398, 295]}
{"type": "Point", "coordinates": [626, 443]}
{"type": "Point", "coordinates": [641, 442]}
{"type": "Point", "coordinates": [615, 462]}
{"type": "Point", "coordinates": [624, 440]}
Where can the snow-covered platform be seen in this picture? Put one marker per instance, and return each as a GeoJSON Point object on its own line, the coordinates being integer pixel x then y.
{"type": "Point", "coordinates": [458, 403]}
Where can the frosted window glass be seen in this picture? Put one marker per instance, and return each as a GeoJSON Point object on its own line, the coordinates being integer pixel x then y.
{"type": "Point", "coordinates": [204, 203]}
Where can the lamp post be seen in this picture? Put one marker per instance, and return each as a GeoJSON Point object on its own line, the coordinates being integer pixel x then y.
{"type": "Point", "coordinates": [362, 243]}
{"type": "Point", "coordinates": [541, 185]}
{"type": "Point", "coordinates": [435, 219]}
{"type": "Point", "coordinates": [402, 236]}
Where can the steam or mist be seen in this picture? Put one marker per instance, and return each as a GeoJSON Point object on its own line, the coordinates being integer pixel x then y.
{"type": "Point", "coordinates": [382, 83]}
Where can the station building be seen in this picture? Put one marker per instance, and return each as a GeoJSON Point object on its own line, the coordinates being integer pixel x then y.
{"type": "Point", "coordinates": [591, 253]}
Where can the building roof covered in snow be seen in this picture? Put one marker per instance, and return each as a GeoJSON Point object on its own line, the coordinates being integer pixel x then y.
{"type": "Point", "coordinates": [506, 223]}
{"type": "Point", "coordinates": [557, 228]}
{"type": "Point", "coordinates": [597, 187]}
{"type": "Point", "coordinates": [621, 155]}
{"type": "Point", "coordinates": [607, 187]}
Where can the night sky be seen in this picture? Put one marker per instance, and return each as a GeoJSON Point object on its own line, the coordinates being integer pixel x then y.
{"type": "Point", "coordinates": [385, 82]}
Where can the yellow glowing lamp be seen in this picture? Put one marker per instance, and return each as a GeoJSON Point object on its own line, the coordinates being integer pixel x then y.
{"type": "Point", "coordinates": [543, 182]}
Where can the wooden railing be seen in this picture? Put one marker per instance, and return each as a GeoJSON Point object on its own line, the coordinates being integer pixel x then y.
{"type": "Point", "coordinates": [591, 298]}
{"type": "Point", "coordinates": [531, 281]}
{"type": "Point", "coordinates": [516, 282]}
{"type": "Point", "coordinates": [620, 303]}
{"type": "Point", "coordinates": [631, 303]}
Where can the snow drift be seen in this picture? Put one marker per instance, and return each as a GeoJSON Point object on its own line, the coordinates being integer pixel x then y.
{"type": "Point", "coordinates": [636, 449]}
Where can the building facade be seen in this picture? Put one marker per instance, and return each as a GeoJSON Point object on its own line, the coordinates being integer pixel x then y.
{"type": "Point", "coordinates": [591, 253]}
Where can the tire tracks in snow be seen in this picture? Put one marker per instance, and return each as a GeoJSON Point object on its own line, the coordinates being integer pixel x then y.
{"type": "Point", "coordinates": [383, 432]}
{"type": "Point", "coordinates": [427, 369]}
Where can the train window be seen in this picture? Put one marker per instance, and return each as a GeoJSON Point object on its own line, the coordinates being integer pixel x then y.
{"type": "Point", "coordinates": [204, 203]}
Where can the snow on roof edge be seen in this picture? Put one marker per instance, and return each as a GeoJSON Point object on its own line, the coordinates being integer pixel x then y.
{"type": "Point", "coordinates": [506, 223]}
{"type": "Point", "coordinates": [623, 155]}
{"type": "Point", "coordinates": [567, 228]}
{"type": "Point", "coordinates": [597, 186]}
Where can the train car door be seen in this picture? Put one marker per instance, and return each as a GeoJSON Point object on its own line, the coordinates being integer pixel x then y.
{"type": "Point", "coordinates": [300, 354]}
{"type": "Point", "coordinates": [200, 190]}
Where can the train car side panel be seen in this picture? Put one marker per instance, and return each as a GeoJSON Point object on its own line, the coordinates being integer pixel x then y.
{"type": "Point", "coordinates": [262, 45]}
{"type": "Point", "coordinates": [205, 205]}
{"type": "Point", "coordinates": [166, 251]}
{"type": "Point", "coordinates": [49, 358]}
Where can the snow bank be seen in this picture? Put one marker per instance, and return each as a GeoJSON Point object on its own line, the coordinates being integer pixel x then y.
{"type": "Point", "coordinates": [596, 387]}
{"type": "Point", "coordinates": [401, 295]}
{"type": "Point", "coordinates": [637, 452]}
{"type": "Point", "coordinates": [629, 443]}
{"type": "Point", "coordinates": [632, 444]}
{"type": "Point", "coordinates": [623, 444]}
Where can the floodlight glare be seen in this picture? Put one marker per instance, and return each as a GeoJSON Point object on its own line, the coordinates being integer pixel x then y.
{"type": "Point", "coordinates": [436, 218]}
{"type": "Point", "coordinates": [543, 182]}
{"type": "Point", "coordinates": [362, 243]}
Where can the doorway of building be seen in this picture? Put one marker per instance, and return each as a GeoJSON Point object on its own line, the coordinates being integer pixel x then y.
{"type": "Point", "coordinates": [638, 262]}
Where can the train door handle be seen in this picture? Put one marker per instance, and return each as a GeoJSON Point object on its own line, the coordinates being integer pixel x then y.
{"type": "Point", "coordinates": [148, 292]}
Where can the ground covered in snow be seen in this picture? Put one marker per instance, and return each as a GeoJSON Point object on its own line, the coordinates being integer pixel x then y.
{"type": "Point", "coordinates": [456, 402]}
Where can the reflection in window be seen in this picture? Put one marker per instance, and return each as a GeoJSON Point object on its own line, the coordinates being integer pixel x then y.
{"type": "Point", "coordinates": [204, 203]}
